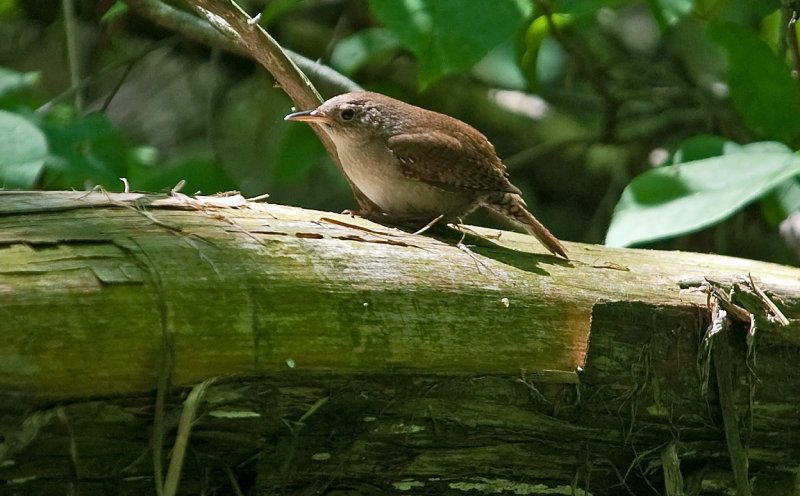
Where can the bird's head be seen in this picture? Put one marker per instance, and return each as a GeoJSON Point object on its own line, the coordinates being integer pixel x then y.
{"type": "Point", "coordinates": [354, 117]}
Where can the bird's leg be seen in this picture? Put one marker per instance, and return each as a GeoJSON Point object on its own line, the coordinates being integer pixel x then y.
{"type": "Point", "coordinates": [461, 246]}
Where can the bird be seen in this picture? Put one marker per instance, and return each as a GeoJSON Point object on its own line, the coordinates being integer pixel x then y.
{"type": "Point", "coordinates": [415, 163]}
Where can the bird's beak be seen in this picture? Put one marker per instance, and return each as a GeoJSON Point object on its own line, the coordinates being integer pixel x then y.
{"type": "Point", "coordinates": [307, 116]}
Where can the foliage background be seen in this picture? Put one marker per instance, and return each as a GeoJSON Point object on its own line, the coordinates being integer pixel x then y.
{"type": "Point", "coordinates": [596, 107]}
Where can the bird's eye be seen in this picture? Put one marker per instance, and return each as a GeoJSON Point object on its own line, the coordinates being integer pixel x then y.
{"type": "Point", "coordinates": [347, 114]}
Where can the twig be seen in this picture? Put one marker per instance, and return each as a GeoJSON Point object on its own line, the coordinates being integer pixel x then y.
{"type": "Point", "coordinates": [620, 477]}
{"type": "Point", "coordinates": [776, 312]}
{"type": "Point", "coordinates": [188, 416]}
{"type": "Point", "coordinates": [671, 467]}
{"type": "Point", "coordinates": [637, 462]}
{"type": "Point", "coordinates": [725, 302]}
{"type": "Point", "coordinates": [723, 365]}
{"type": "Point", "coordinates": [129, 68]}
{"type": "Point", "coordinates": [429, 225]}
{"type": "Point", "coordinates": [184, 23]}
{"type": "Point", "coordinates": [235, 30]}
{"type": "Point", "coordinates": [73, 451]}
{"type": "Point", "coordinates": [313, 409]}
{"type": "Point", "coordinates": [791, 34]}
{"type": "Point", "coordinates": [257, 198]}
{"type": "Point", "coordinates": [330, 220]}
{"type": "Point", "coordinates": [72, 52]}
{"type": "Point", "coordinates": [86, 81]}
{"type": "Point", "coordinates": [237, 491]}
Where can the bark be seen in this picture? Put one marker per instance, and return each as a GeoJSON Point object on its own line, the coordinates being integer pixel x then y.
{"type": "Point", "coordinates": [351, 358]}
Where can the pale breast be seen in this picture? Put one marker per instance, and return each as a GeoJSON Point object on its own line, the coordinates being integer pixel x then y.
{"type": "Point", "coordinates": [376, 172]}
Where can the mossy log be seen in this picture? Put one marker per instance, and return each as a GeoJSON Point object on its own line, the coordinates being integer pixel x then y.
{"type": "Point", "coordinates": [351, 358]}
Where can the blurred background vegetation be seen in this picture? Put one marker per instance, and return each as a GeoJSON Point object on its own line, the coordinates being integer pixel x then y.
{"type": "Point", "coordinates": [661, 123]}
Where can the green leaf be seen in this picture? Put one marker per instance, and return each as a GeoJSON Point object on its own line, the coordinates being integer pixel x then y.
{"type": "Point", "coordinates": [761, 86]}
{"type": "Point", "coordinates": [679, 199]}
{"type": "Point", "coordinates": [355, 51]}
{"type": "Point", "coordinates": [532, 44]}
{"type": "Point", "coordinates": [449, 36]}
{"type": "Point", "coordinates": [759, 147]}
{"type": "Point", "coordinates": [23, 150]}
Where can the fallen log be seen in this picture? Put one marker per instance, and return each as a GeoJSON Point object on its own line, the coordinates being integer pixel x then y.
{"type": "Point", "coordinates": [341, 356]}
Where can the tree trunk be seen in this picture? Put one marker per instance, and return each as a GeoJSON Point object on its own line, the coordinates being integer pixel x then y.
{"type": "Point", "coordinates": [352, 358]}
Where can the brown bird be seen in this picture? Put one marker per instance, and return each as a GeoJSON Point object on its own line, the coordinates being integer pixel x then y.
{"type": "Point", "coordinates": [416, 163]}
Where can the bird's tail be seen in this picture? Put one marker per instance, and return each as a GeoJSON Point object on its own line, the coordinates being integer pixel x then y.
{"type": "Point", "coordinates": [512, 205]}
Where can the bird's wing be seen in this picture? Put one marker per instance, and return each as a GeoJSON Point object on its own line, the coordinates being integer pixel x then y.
{"type": "Point", "coordinates": [451, 161]}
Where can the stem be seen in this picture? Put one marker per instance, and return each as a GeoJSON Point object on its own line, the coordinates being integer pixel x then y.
{"type": "Point", "coordinates": [791, 35]}
{"type": "Point", "coordinates": [72, 52]}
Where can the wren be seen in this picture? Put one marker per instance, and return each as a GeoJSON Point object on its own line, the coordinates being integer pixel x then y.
{"type": "Point", "coordinates": [414, 163]}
